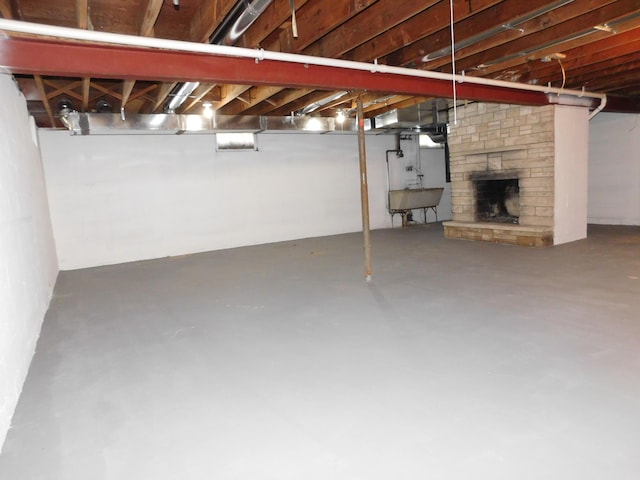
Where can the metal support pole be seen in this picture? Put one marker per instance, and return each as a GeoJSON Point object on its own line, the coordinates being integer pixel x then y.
{"type": "Point", "coordinates": [364, 193]}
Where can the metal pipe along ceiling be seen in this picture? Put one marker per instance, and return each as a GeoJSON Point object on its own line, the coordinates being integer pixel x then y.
{"type": "Point", "coordinates": [250, 14]}
{"type": "Point", "coordinates": [241, 17]}
{"type": "Point", "coordinates": [512, 25]}
{"type": "Point", "coordinates": [277, 69]}
{"type": "Point", "coordinates": [180, 95]}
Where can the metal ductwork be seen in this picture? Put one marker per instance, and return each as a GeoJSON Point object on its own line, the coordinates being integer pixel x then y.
{"type": "Point", "coordinates": [239, 19]}
{"type": "Point", "coordinates": [312, 107]}
{"type": "Point", "coordinates": [172, 124]}
{"type": "Point", "coordinates": [428, 118]}
{"type": "Point", "coordinates": [180, 95]}
{"type": "Point", "coordinates": [250, 13]}
{"type": "Point", "coordinates": [513, 25]}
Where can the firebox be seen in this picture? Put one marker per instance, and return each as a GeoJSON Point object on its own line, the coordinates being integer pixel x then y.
{"type": "Point", "coordinates": [497, 200]}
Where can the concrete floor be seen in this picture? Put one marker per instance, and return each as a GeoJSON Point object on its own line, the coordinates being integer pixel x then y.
{"type": "Point", "coordinates": [460, 360]}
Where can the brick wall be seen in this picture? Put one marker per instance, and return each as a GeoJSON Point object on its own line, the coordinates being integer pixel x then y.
{"type": "Point", "coordinates": [509, 140]}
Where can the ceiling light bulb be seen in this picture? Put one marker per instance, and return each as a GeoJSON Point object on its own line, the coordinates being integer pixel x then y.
{"type": "Point", "coordinates": [340, 118]}
{"type": "Point", "coordinates": [313, 124]}
{"type": "Point", "coordinates": [208, 110]}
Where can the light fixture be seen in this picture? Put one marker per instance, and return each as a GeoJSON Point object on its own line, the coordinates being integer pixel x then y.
{"type": "Point", "coordinates": [340, 117]}
{"type": "Point", "coordinates": [207, 110]}
{"type": "Point", "coordinates": [553, 56]}
{"type": "Point", "coordinates": [103, 106]}
{"type": "Point", "coordinates": [64, 106]}
{"type": "Point", "coordinates": [605, 28]}
{"type": "Point", "coordinates": [313, 124]}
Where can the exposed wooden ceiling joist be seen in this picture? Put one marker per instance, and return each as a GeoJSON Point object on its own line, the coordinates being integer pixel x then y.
{"type": "Point", "coordinates": [107, 91]}
{"type": "Point", "coordinates": [163, 93]}
{"type": "Point", "coordinates": [364, 24]}
{"type": "Point", "coordinates": [43, 95]}
{"type": "Point", "coordinates": [32, 56]}
{"type": "Point", "coordinates": [270, 21]}
{"type": "Point", "coordinates": [281, 101]}
{"type": "Point", "coordinates": [377, 19]}
{"type": "Point", "coordinates": [593, 42]}
{"type": "Point", "coordinates": [506, 38]}
{"type": "Point", "coordinates": [5, 9]}
{"type": "Point", "coordinates": [86, 88]}
{"type": "Point", "coordinates": [82, 13]}
{"type": "Point", "coordinates": [395, 103]}
{"type": "Point", "coordinates": [201, 92]}
{"type": "Point", "coordinates": [412, 34]}
{"type": "Point", "coordinates": [127, 88]}
{"type": "Point", "coordinates": [147, 22]}
{"type": "Point", "coordinates": [142, 92]}
{"type": "Point", "coordinates": [257, 95]}
{"type": "Point", "coordinates": [65, 89]}
{"type": "Point", "coordinates": [150, 17]}
{"type": "Point", "coordinates": [579, 57]}
{"type": "Point", "coordinates": [207, 18]}
{"type": "Point", "coordinates": [555, 35]}
{"type": "Point", "coordinates": [229, 93]}
{"type": "Point", "coordinates": [83, 21]}
{"type": "Point", "coordinates": [295, 101]}
{"type": "Point", "coordinates": [322, 15]}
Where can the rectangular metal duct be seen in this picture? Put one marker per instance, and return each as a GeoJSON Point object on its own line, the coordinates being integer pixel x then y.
{"type": "Point", "coordinates": [421, 118]}
{"type": "Point", "coordinates": [157, 124]}
{"type": "Point", "coordinates": [175, 124]}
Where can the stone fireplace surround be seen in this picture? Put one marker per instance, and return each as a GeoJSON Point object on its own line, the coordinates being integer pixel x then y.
{"type": "Point", "coordinates": [537, 146]}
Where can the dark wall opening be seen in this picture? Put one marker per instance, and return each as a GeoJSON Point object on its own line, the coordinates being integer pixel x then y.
{"type": "Point", "coordinates": [497, 201]}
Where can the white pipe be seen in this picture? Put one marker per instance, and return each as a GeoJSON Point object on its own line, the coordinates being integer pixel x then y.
{"type": "Point", "coordinates": [260, 54]}
{"type": "Point", "coordinates": [453, 69]}
{"type": "Point", "coordinates": [603, 103]}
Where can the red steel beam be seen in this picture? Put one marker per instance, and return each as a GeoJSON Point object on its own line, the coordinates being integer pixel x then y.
{"type": "Point", "coordinates": [72, 59]}
{"type": "Point", "coordinates": [620, 104]}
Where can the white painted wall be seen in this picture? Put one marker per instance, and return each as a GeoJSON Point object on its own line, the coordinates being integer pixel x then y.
{"type": "Point", "coordinates": [432, 165]}
{"type": "Point", "coordinates": [28, 265]}
{"type": "Point", "coordinates": [614, 169]}
{"type": "Point", "coordinates": [122, 198]}
{"type": "Point", "coordinates": [571, 171]}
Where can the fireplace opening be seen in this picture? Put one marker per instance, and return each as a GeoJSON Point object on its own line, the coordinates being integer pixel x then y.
{"type": "Point", "coordinates": [497, 201]}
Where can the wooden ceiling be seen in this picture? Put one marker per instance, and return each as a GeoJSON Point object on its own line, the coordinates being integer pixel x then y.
{"type": "Point", "coordinates": [591, 44]}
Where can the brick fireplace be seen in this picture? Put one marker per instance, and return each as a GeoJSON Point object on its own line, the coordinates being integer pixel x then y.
{"type": "Point", "coordinates": [518, 174]}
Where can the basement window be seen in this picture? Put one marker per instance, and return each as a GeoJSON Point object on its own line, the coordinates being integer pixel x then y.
{"type": "Point", "coordinates": [236, 142]}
